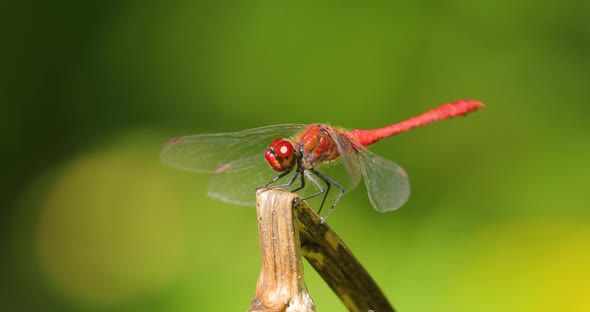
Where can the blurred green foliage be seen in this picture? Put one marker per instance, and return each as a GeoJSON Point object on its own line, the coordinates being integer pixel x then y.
{"type": "Point", "coordinates": [92, 221]}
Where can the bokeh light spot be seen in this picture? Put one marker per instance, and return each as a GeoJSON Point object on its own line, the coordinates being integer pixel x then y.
{"type": "Point", "coordinates": [111, 229]}
{"type": "Point", "coordinates": [527, 266]}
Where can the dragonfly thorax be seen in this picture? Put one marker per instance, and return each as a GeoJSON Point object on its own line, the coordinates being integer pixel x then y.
{"type": "Point", "coordinates": [280, 155]}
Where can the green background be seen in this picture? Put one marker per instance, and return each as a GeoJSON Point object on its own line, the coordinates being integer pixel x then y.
{"type": "Point", "coordinates": [92, 221]}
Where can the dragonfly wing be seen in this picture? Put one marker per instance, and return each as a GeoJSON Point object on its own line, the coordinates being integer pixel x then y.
{"type": "Point", "coordinates": [223, 151]}
{"type": "Point", "coordinates": [239, 186]}
{"type": "Point", "coordinates": [235, 159]}
{"type": "Point", "coordinates": [387, 183]}
{"type": "Point", "coordinates": [348, 157]}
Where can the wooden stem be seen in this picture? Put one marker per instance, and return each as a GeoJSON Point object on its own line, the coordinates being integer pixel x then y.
{"type": "Point", "coordinates": [280, 286]}
{"type": "Point", "coordinates": [287, 231]}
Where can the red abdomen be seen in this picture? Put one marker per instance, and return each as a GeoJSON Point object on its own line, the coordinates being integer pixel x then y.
{"type": "Point", "coordinates": [445, 111]}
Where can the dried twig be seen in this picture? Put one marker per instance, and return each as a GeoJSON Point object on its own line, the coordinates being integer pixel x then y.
{"type": "Point", "coordinates": [281, 286]}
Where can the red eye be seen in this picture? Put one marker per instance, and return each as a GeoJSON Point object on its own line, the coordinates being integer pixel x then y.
{"type": "Point", "coordinates": [272, 144]}
{"type": "Point", "coordinates": [281, 147]}
{"type": "Point", "coordinates": [284, 149]}
{"type": "Point", "coordinates": [279, 155]}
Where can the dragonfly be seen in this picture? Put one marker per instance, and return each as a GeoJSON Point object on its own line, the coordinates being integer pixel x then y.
{"type": "Point", "coordinates": [240, 162]}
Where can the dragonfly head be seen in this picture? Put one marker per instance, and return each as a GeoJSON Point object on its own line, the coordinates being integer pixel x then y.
{"type": "Point", "coordinates": [280, 155]}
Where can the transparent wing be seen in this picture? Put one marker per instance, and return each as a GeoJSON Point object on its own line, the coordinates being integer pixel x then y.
{"type": "Point", "coordinates": [236, 159]}
{"type": "Point", "coordinates": [348, 157]}
{"type": "Point", "coordinates": [239, 187]}
{"type": "Point", "coordinates": [223, 152]}
{"type": "Point", "coordinates": [387, 183]}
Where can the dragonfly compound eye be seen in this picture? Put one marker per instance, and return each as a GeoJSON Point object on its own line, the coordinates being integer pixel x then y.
{"type": "Point", "coordinates": [279, 155]}
{"type": "Point", "coordinates": [284, 149]}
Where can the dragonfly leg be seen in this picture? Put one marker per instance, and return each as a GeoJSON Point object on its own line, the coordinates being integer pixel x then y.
{"type": "Point", "coordinates": [329, 182]}
{"type": "Point", "coordinates": [282, 175]}
{"type": "Point", "coordinates": [291, 181]}
{"type": "Point", "coordinates": [321, 191]}
{"type": "Point", "coordinates": [302, 185]}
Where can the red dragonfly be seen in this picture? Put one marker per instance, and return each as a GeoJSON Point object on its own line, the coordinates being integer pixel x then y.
{"type": "Point", "coordinates": [236, 159]}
